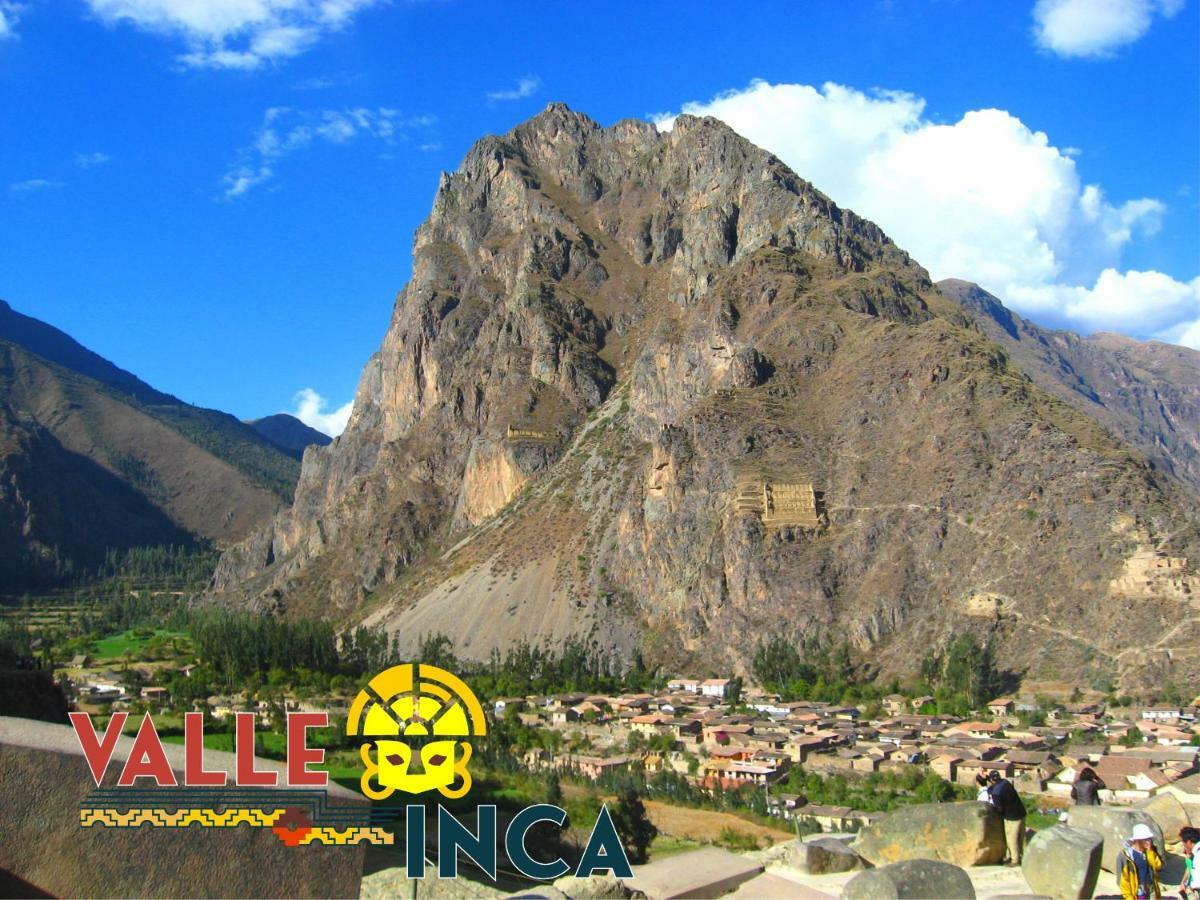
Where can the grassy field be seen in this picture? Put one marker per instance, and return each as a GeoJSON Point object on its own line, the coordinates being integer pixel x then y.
{"type": "Point", "coordinates": [133, 641]}
{"type": "Point", "coordinates": [706, 826]}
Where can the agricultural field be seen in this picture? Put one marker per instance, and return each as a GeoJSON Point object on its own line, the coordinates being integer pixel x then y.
{"type": "Point", "coordinates": [142, 644]}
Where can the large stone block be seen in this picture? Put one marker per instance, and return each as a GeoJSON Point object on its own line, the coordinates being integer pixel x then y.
{"type": "Point", "coordinates": [966, 834]}
{"type": "Point", "coordinates": [1063, 862]}
{"type": "Point", "coordinates": [823, 856]}
{"type": "Point", "coordinates": [1170, 815]}
{"type": "Point", "coordinates": [1115, 825]}
{"type": "Point", "coordinates": [698, 874]}
{"type": "Point", "coordinates": [913, 879]}
{"type": "Point", "coordinates": [44, 778]}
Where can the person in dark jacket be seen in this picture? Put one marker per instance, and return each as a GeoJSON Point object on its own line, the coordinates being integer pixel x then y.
{"type": "Point", "coordinates": [1087, 787]}
{"type": "Point", "coordinates": [1008, 803]}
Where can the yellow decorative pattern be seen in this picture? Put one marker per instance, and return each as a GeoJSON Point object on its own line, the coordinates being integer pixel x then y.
{"type": "Point", "coordinates": [351, 835]}
{"type": "Point", "coordinates": [230, 818]}
{"type": "Point", "coordinates": [180, 818]}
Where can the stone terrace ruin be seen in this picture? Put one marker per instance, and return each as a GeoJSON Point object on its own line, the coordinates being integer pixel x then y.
{"type": "Point", "coordinates": [780, 498]}
{"type": "Point", "coordinates": [515, 435]}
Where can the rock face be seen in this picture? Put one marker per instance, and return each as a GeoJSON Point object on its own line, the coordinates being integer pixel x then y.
{"type": "Point", "coordinates": [607, 332]}
{"type": "Point", "coordinates": [966, 834]}
{"type": "Point", "coordinates": [1115, 825]}
{"type": "Point", "coordinates": [1063, 862]}
{"type": "Point", "coordinates": [915, 879]}
{"type": "Point", "coordinates": [822, 856]}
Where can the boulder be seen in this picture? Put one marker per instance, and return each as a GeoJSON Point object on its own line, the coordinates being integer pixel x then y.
{"type": "Point", "coordinates": [823, 856]}
{"type": "Point", "coordinates": [966, 834]}
{"type": "Point", "coordinates": [1170, 815]}
{"type": "Point", "coordinates": [1115, 825]}
{"type": "Point", "coordinates": [596, 887]}
{"type": "Point", "coordinates": [1063, 862]}
{"type": "Point", "coordinates": [913, 878]}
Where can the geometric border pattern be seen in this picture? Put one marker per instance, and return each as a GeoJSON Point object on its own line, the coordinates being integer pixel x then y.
{"type": "Point", "coordinates": [232, 818]}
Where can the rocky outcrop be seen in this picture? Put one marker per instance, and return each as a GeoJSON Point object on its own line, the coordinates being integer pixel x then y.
{"type": "Point", "coordinates": [1063, 862]}
{"type": "Point", "coordinates": [605, 329]}
{"type": "Point", "coordinates": [1114, 825]}
{"type": "Point", "coordinates": [914, 879]}
{"type": "Point", "coordinates": [966, 834]}
{"type": "Point", "coordinates": [595, 887]}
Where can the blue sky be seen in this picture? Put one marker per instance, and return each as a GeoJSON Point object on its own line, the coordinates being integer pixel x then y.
{"type": "Point", "coordinates": [220, 195]}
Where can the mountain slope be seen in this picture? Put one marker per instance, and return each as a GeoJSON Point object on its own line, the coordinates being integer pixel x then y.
{"type": "Point", "coordinates": [1147, 392]}
{"type": "Point", "coordinates": [60, 511]}
{"type": "Point", "coordinates": [171, 473]}
{"type": "Point", "coordinates": [289, 434]}
{"type": "Point", "coordinates": [656, 390]}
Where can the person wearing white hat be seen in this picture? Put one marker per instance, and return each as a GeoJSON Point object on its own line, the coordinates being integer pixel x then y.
{"type": "Point", "coordinates": [1138, 865]}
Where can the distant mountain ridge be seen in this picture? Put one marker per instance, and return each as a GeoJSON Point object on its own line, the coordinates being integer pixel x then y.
{"type": "Point", "coordinates": [93, 458]}
{"type": "Point", "coordinates": [57, 346]}
{"type": "Point", "coordinates": [1145, 392]}
{"type": "Point", "coordinates": [289, 434]}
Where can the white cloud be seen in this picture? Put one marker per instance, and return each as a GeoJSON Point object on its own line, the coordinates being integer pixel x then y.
{"type": "Point", "coordinates": [9, 14]}
{"type": "Point", "coordinates": [1159, 304]}
{"type": "Point", "coordinates": [984, 198]}
{"type": "Point", "coordinates": [91, 160]}
{"type": "Point", "coordinates": [34, 184]}
{"type": "Point", "coordinates": [234, 34]}
{"type": "Point", "coordinates": [526, 87]}
{"type": "Point", "coordinates": [1095, 28]}
{"type": "Point", "coordinates": [310, 408]}
{"type": "Point", "coordinates": [285, 131]}
{"type": "Point", "coordinates": [1189, 335]}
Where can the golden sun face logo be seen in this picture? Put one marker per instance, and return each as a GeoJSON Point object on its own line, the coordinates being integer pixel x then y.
{"type": "Point", "coordinates": [414, 720]}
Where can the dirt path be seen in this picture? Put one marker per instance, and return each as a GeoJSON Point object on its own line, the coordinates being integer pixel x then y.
{"type": "Point", "coordinates": [705, 825]}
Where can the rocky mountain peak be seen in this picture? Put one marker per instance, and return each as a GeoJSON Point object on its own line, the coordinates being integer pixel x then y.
{"type": "Point", "coordinates": [657, 390]}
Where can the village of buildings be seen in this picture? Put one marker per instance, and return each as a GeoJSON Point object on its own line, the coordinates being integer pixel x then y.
{"type": "Point", "coordinates": [692, 728]}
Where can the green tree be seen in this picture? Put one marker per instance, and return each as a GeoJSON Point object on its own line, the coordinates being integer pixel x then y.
{"type": "Point", "coordinates": [777, 666]}
{"type": "Point", "coordinates": [1132, 738]}
{"type": "Point", "coordinates": [734, 691]}
{"type": "Point", "coordinates": [554, 793]}
{"type": "Point", "coordinates": [963, 668]}
{"type": "Point", "coordinates": [633, 825]}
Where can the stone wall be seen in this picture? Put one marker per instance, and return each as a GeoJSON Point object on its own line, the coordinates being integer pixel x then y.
{"type": "Point", "coordinates": [43, 779]}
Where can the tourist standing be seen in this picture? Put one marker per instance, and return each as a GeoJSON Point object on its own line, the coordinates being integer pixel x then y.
{"type": "Point", "coordinates": [1012, 811]}
{"type": "Point", "coordinates": [1190, 886]}
{"type": "Point", "coordinates": [982, 794]}
{"type": "Point", "coordinates": [1087, 787]}
{"type": "Point", "coordinates": [1138, 865]}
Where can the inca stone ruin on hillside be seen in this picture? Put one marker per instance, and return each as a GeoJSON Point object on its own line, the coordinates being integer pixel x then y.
{"type": "Point", "coordinates": [779, 499]}
{"type": "Point", "coordinates": [1150, 571]}
{"type": "Point", "coordinates": [516, 435]}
